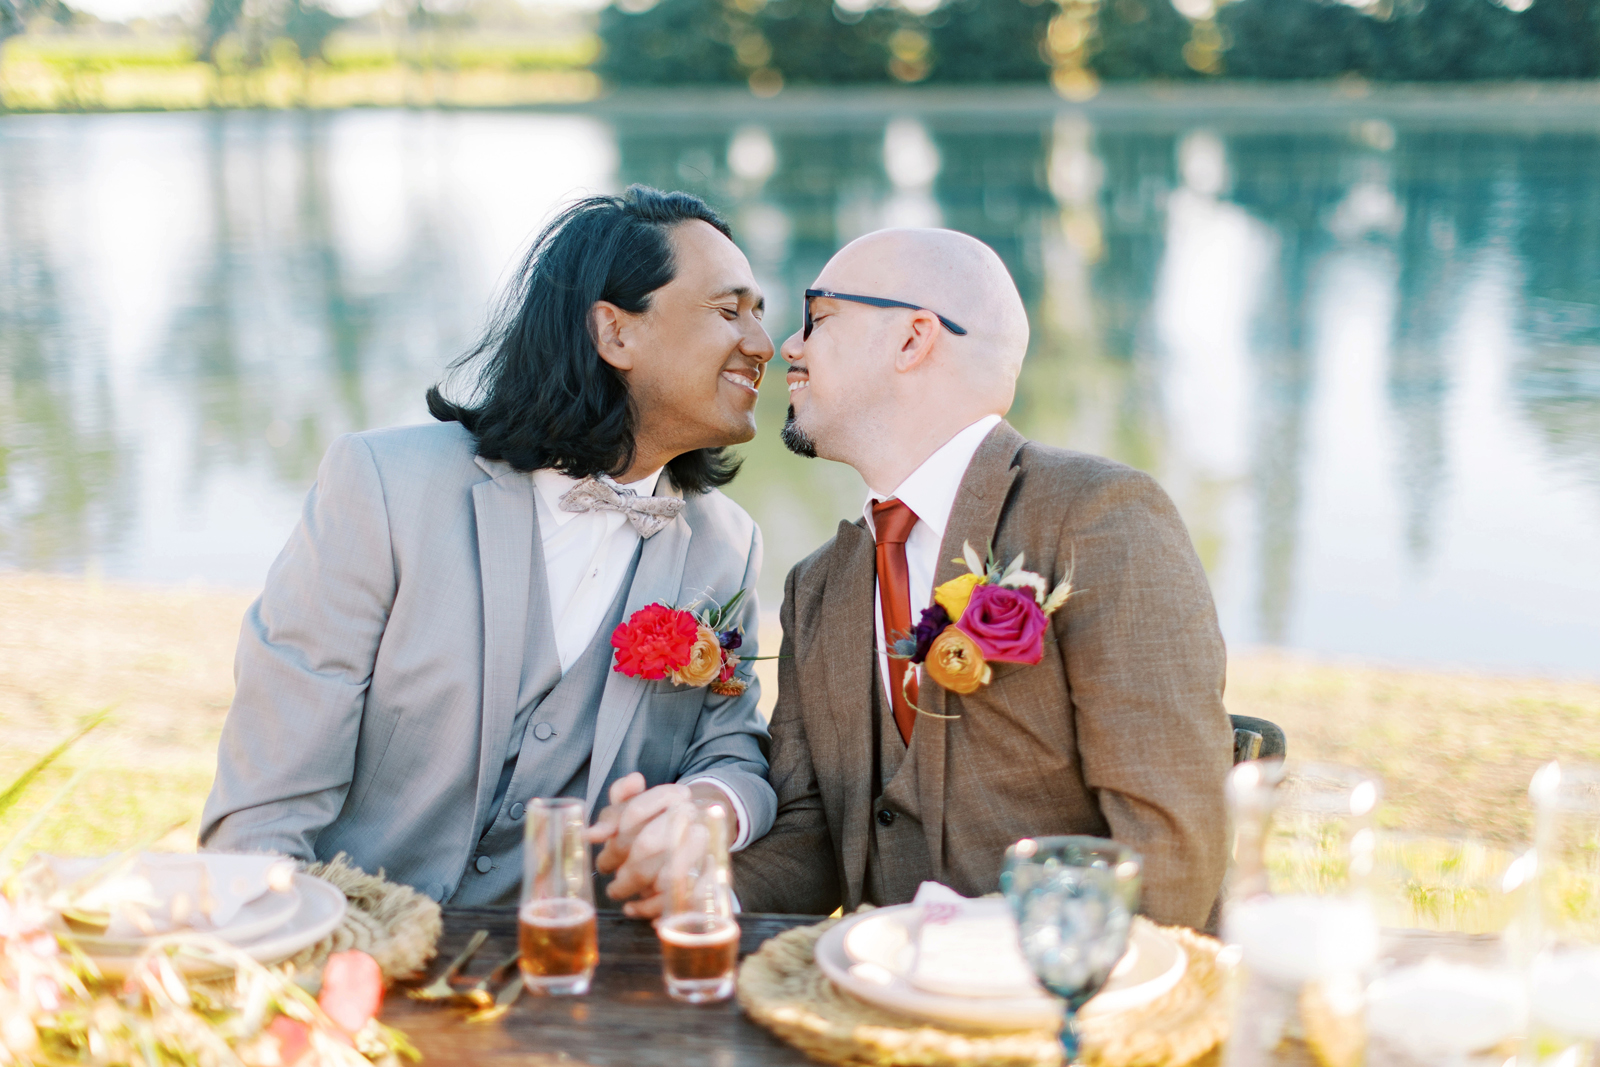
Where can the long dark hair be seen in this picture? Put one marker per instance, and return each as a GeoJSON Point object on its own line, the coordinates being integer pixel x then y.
{"type": "Point", "coordinates": [542, 396]}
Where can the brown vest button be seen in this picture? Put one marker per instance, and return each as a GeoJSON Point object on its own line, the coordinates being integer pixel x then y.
{"type": "Point", "coordinates": [885, 817]}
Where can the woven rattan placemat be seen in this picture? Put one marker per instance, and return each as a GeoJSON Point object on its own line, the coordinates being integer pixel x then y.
{"type": "Point", "coordinates": [781, 987]}
{"type": "Point", "coordinates": [394, 924]}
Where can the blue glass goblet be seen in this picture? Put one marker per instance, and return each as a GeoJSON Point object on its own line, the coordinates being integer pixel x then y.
{"type": "Point", "coordinates": [1074, 898]}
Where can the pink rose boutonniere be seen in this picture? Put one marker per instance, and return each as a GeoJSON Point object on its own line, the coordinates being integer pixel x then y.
{"type": "Point", "coordinates": [992, 614]}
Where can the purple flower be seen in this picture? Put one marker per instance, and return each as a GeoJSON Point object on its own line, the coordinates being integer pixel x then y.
{"type": "Point", "coordinates": [730, 639]}
{"type": "Point", "coordinates": [931, 625]}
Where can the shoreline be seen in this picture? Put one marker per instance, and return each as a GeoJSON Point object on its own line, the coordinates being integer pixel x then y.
{"type": "Point", "coordinates": [1455, 748]}
{"type": "Point", "coordinates": [1256, 105]}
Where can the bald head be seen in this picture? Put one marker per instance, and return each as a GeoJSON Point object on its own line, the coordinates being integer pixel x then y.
{"type": "Point", "coordinates": [950, 273]}
{"type": "Point", "coordinates": [882, 389]}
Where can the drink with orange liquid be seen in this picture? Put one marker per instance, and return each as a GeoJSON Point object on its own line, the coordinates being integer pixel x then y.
{"type": "Point", "coordinates": [698, 956]}
{"type": "Point", "coordinates": [557, 936]}
{"type": "Point", "coordinates": [560, 945]}
{"type": "Point", "coordinates": [699, 936]}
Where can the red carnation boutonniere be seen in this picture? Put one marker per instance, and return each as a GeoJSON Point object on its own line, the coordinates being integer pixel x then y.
{"type": "Point", "coordinates": [697, 649]}
{"type": "Point", "coordinates": [992, 614]}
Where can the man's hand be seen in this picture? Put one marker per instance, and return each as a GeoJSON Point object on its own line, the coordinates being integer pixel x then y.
{"type": "Point", "coordinates": [636, 829]}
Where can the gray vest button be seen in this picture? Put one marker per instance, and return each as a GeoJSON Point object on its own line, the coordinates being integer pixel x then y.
{"type": "Point", "coordinates": [436, 891]}
{"type": "Point", "coordinates": [544, 731]}
{"type": "Point", "coordinates": [516, 812]}
{"type": "Point", "coordinates": [484, 864]}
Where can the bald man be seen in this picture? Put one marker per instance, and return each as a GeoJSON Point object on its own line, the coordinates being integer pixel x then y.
{"type": "Point", "coordinates": [904, 369]}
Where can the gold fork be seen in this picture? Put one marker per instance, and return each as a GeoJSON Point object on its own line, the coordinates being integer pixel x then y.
{"type": "Point", "coordinates": [440, 988]}
{"type": "Point", "coordinates": [479, 995]}
{"type": "Point", "coordinates": [502, 1003]}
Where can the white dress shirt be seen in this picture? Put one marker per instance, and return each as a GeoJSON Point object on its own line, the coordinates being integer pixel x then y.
{"type": "Point", "coordinates": [930, 492]}
{"type": "Point", "coordinates": [586, 556]}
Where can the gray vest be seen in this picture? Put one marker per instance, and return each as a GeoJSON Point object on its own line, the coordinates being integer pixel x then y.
{"type": "Point", "coordinates": [897, 847]}
{"type": "Point", "coordinates": [552, 738]}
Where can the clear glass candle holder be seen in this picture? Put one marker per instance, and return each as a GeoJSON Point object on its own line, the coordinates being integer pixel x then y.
{"type": "Point", "coordinates": [1298, 910]}
{"type": "Point", "coordinates": [1448, 990]}
{"type": "Point", "coordinates": [1564, 978]}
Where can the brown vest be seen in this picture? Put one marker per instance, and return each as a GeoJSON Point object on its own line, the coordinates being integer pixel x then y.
{"type": "Point", "coordinates": [897, 846]}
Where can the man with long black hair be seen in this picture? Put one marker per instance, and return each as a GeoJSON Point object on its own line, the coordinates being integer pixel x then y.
{"type": "Point", "coordinates": [433, 645]}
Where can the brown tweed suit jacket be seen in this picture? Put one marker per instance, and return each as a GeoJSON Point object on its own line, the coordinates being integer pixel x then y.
{"type": "Point", "coordinates": [1118, 731]}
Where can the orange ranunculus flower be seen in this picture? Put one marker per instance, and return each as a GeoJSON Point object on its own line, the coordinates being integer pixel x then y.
{"type": "Point", "coordinates": [953, 595]}
{"type": "Point", "coordinates": [954, 662]}
{"type": "Point", "coordinates": [705, 660]}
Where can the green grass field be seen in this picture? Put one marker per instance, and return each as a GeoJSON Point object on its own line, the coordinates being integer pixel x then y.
{"type": "Point", "coordinates": [1455, 750]}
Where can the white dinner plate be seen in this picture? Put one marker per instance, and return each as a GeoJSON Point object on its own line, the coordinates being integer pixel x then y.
{"type": "Point", "coordinates": [874, 964]}
{"type": "Point", "coordinates": [254, 920]}
{"type": "Point", "coordinates": [320, 908]}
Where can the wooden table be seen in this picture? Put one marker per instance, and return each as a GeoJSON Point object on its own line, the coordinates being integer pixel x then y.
{"type": "Point", "coordinates": [626, 1020]}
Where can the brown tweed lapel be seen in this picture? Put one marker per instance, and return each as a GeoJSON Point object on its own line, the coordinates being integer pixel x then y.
{"type": "Point", "coordinates": [973, 517]}
{"type": "Point", "coordinates": [848, 641]}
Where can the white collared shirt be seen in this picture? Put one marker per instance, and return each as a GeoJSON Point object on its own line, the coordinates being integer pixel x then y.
{"type": "Point", "coordinates": [930, 492]}
{"type": "Point", "coordinates": [586, 556]}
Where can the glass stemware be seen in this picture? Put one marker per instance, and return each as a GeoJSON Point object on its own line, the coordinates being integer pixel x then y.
{"type": "Point", "coordinates": [1074, 898]}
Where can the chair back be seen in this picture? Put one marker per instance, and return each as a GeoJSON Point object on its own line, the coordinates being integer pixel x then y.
{"type": "Point", "coordinates": [1255, 738]}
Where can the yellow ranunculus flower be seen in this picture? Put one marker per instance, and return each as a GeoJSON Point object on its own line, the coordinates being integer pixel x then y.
{"type": "Point", "coordinates": [954, 662]}
{"type": "Point", "coordinates": [953, 595]}
{"type": "Point", "coordinates": [705, 660]}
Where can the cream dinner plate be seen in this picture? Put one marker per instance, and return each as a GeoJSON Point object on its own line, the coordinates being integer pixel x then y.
{"type": "Point", "coordinates": [319, 908]}
{"type": "Point", "coordinates": [871, 956]}
{"type": "Point", "coordinates": [255, 919]}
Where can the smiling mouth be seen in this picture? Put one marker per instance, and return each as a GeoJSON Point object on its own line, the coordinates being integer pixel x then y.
{"type": "Point", "coordinates": [796, 384]}
{"type": "Point", "coordinates": [742, 380]}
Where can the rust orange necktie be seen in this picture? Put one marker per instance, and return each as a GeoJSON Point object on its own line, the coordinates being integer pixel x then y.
{"type": "Point", "coordinates": [892, 521]}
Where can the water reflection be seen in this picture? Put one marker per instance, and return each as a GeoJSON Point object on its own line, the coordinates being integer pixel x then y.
{"type": "Point", "coordinates": [1364, 359]}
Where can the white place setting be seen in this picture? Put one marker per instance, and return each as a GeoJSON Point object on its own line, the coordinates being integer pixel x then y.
{"type": "Point", "coordinates": [260, 905]}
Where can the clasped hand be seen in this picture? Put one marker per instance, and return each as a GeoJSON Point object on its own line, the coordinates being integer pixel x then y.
{"type": "Point", "coordinates": [636, 829]}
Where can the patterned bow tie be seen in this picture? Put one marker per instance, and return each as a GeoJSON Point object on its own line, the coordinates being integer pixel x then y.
{"type": "Point", "coordinates": [648, 514]}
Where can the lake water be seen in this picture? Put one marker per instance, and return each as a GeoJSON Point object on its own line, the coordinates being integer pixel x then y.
{"type": "Point", "coordinates": [1362, 354]}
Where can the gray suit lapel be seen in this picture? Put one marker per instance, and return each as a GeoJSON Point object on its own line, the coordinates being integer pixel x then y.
{"type": "Point", "coordinates": [659, 579]}
{"type": "Point", "coordinates": [843, 749]}
{"type": "Point", "coordinates": [974, 516]}
{"type": "Point", "coordinates": [508, 539]}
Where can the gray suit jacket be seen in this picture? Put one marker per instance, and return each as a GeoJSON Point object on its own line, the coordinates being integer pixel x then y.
{"type": "Point", "coordinates": [1118, 731]}
{"type": "Point", "coordinates": [378, 673]}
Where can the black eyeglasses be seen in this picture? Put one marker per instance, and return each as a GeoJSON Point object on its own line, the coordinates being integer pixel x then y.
{"type": "Point", "coordinates": [873, 301]}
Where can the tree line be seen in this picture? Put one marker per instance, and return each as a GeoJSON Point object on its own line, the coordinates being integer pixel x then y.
{"type": "Point", "coordinates": [770, 43]}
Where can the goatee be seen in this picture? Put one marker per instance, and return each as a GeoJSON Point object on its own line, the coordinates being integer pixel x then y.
{"type": "Point", "coordinates": [795, 439]}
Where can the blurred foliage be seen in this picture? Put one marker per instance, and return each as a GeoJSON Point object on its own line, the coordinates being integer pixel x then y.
{"type": "Point", "coordinates": [819, 42]}
{"type": "Point", "coordinates": [1141, 39]}
{"type": "Point", "coordinates": [1436, 40]}
{"type": "Point", "coordinates": [75, 55]}
{"type": "Point", "coordinates": [309, 25]}
{"type": "Point", "coordinates": [770, 43]}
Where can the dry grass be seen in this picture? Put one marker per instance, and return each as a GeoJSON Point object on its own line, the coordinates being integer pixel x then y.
{"type": "Point", "coordinates": [161, 657]}
{"type": "Point", "coordinates": [1456, 751]}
